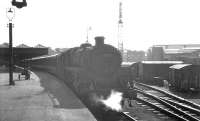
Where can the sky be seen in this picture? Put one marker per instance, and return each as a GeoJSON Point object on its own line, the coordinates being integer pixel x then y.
{"type": "Point", "coordinates": [64, 23]}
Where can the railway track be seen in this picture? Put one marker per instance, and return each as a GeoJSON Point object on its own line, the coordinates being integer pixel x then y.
{"type": "Point", "coordinates": [171, 96]}
{"type": "Point", "coordinates": [127, 117]}
{"type": "Point", "coordinates": [167, 105]}
{"type": "Point", "coordinates": [114, 116]}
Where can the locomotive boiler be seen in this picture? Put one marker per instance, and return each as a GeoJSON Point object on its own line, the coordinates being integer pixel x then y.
{"type": "Point", "coordinates": [86, 69]}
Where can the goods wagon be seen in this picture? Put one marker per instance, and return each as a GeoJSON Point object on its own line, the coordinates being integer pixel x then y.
{"type": "Point", "coordinates": [153, 72]}
{"type": "Point", "coordinates": [185, 77]}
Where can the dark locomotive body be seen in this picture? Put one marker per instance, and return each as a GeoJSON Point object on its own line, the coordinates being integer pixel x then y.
{"type": "Point", "coordinates": [86, 69]}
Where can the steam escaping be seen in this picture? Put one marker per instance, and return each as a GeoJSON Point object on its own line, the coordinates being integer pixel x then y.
{"type": "Point", "coordinates": [113, 101]}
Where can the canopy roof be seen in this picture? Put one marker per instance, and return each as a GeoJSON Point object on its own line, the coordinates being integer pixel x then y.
{"type": "Point", "coordinates": [180, 66]}
{"type": "Point", "coordinates": [23, 53]}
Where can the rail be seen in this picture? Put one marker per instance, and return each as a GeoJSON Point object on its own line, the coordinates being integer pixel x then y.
{"type": "Point", "coordinates": [127, 117]}
{"type": "Point", "coordinates": [165, 111]}
{"type": "Point", "coordinates": [194, 105]}
{"type": "Point", "coordinates": [173, 108]}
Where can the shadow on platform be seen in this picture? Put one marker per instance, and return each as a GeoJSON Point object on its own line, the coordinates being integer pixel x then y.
{"type": "Point", "coordinates": [60, 94]}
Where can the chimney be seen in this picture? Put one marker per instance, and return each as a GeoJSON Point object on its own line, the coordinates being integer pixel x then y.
{"type": "Point", "coordinates": [99, 41]}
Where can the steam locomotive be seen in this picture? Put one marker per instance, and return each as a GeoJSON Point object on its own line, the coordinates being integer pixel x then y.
{"type": "Point", "coordinates": [86, 69]}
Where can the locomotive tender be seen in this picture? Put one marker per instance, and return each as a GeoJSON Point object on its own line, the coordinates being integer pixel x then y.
{"type": "Point", "coordinates": [86, 69]}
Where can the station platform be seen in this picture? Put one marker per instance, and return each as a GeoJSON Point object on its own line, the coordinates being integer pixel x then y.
{"type": "Point", "coordinates": [42, 98]}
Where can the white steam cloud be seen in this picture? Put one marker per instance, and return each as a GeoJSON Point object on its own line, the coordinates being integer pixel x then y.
{"type": "Point", "coordinates": [113, 101]}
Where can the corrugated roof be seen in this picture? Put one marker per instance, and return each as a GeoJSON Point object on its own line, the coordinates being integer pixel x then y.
{"type": "Point", "coordinates": [126, 64]}
{"type": "Point", "coordinates": [179, 66]}
{"type": "Point", "coordinates": [171, 51]}
{"type": "Point", "coordinates": [192, 48]}
{"type": "Point", "coordinates": [178, 51]}
{"type": "Point", "coordinates": [187, 50]}
{"type": "Point", "coordinates": [162, 62]}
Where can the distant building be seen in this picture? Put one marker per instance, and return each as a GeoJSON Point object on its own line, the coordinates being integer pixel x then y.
{"type": "Point", "coordinates": [189, 53]}
{"type": "Point", "coordinates": [22, 46]}
{"type": "Point", "coordinates": [4, 45]}
{"type": "Point", "coordinates": [50, 50]}
{"type": "Point", "coordinates": [179, 46]}
{"type": "Point", "coordinates": [133, 56]}
{"type": "Point", "coordinates": [155, 53]}
{"type": "Point", "coordinates": [42, 47]}
{"type": "Point", "coordinates": [22, 51]}
{"type": "Point", "coordinates": [39, 46]}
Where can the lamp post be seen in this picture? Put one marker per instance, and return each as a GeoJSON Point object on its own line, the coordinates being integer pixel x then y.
{"type": "Point", "coordinates": [10, 12]}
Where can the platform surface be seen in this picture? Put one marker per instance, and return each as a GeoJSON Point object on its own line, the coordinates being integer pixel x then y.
{"type": "Point", "coordinates": [42, 98]}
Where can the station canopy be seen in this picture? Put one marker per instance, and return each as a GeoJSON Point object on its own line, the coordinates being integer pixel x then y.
{"type": "Point", "coordinates": [23, 53]}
